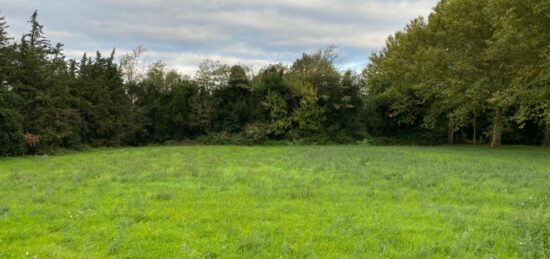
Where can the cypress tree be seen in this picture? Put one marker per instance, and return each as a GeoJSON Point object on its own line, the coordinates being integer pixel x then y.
{"type": "Point", "coordinates": [41, 81]}
{"type": "Point", "coordinates": [11, 128]}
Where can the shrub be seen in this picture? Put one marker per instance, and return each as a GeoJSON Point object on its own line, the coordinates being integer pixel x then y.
{"type": "Point", "coordinates": [257, 132]}
{"type": "Point", "coordinates": [11, 132]}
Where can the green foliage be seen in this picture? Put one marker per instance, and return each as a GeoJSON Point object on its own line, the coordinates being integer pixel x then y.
{"type": "Point", "coordinates": [307, 116]}
{"type": "Point", "coordinates": [233, 104]}
{"type": "Point", "coordinates": [329, 101]}
{"type": "Point", "coordinates": [279, 117]}
{"type": "Point", "coordinates": [257, 133]}
{"type": "Point", "coordinates": [471, 61]}
{"type": "Point", "coordinates": [472, 72]}
{"type": "Point", "coordinates": [11, 126]}
{"type": "Point", "coordinates": [39, 76]}
{"type": "Point", "coordinates": [107, 113]}
{"type": "Point", "coordinates": [6, 52]}
{"type": "Point", "coordinates": [277, 100]}
{"type": "Point", "coordinates": [170, 105]}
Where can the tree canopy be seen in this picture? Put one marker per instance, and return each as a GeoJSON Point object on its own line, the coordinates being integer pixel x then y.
{"type": "Point", "coordinates": [473, 71]}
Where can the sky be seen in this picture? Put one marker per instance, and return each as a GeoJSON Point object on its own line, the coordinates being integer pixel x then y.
{"type": "Point", "coordinates": [182, 33]}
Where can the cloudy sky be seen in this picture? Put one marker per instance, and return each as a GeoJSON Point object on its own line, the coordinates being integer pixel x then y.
{"type": "Point", "coordinates": [184, 32]}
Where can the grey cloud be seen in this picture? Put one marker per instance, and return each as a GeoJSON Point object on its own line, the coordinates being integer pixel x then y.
{"type": "Point", "coordinates": [182, 33]}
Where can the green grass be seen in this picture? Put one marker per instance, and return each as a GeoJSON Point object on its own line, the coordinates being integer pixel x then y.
{"type": "Point", "coordinates": [282, 202]}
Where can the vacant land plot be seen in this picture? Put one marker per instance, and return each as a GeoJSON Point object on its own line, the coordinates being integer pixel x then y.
{"type": "Point", "coordinates": [305, 201]}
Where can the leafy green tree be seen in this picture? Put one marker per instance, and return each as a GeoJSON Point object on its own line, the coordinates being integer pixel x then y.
{"type": "Point", "coordinates": [168, 103]}
{"type": "Point", "coordinates": [233, 104]}
{"type": "Point", "coordinates": [107, 112]}
{"type": "Point", "coordinates": [277, 100]}
{"type": "Point", "coordinates": [308, 117]}
{"type": "Point", "coordinates": [318, 69]}
{"type": "Point", "coordinates": [452, 65]}
{"type": "Point", "coordinates": [473, 59]}
{"type": "Point", "coordinates": [394, 98]}
{"type": "Point", "coordinates": [521, 42]}
{"type": "Point", "coordinates": [336, 101]}
{"type": "Point", "coordinates": [351, 110]}
{"type": "Point", "coordinates": [210, 76]}
{"type": "Point", "coordinates": [182, 111]}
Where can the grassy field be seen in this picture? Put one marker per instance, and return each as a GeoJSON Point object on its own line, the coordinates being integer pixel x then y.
{"type": "Point", "coordinates": [265, 202]}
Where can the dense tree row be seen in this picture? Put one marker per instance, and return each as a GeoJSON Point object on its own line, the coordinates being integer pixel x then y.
{"type": "Point", "coordinates": [50, 102]}
{"type": "Point", "coordinates": [475, 71]}
{"type": "Point", "coordinates": [309, 100]}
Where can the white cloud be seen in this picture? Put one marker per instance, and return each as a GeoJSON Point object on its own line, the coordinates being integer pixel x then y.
{"type": "Point", "coordinates": [182, 33]}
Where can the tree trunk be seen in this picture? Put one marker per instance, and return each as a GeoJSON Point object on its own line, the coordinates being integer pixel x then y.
{"type": "Point", "coordinates": [474, 124]}
{"type": "Point", "coordinates": [547, 134]}
{"type": "Point", "coordinates": [496, 136]}
{"type": "Point", "coordinates": [451, 133]}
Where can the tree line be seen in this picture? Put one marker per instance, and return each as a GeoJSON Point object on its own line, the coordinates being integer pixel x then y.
{"type": "Point", "coordinates": [478, 70]}
{"type": "Point", "coordinates": [474, 71]}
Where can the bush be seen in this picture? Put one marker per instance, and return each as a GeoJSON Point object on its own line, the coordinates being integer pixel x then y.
{"type": "Point", "coordinates": [11, 132]}
{"type": "Point", "coordinates": [256, 133]}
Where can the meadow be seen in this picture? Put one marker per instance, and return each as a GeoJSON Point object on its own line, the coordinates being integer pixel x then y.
{"type": "Point", "coordinates": [278, 202]}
